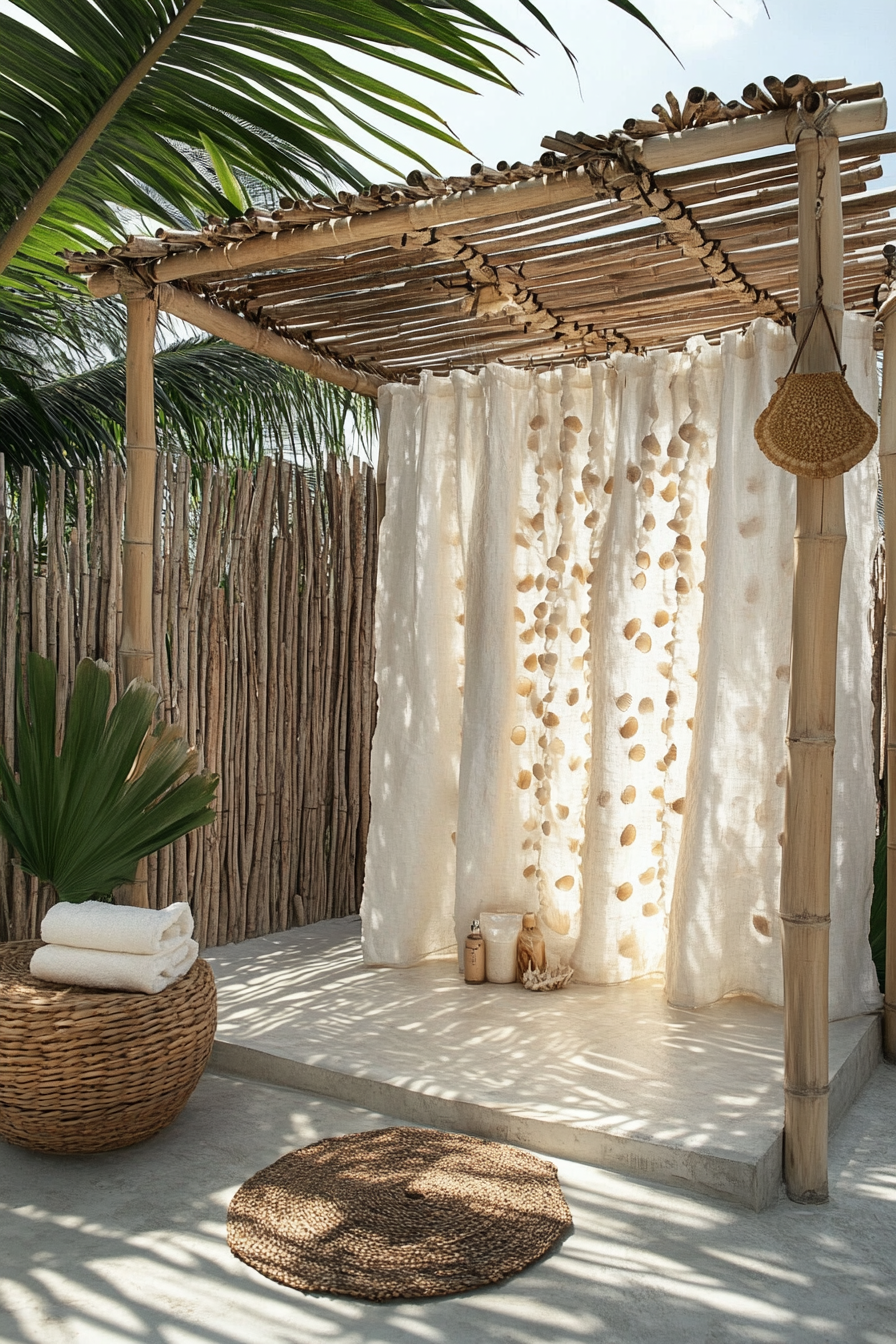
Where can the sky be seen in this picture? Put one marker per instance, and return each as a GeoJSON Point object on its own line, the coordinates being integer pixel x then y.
{"type": "Point", "coordinates": [623, 70]}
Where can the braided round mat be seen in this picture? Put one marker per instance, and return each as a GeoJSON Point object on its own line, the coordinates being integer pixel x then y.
{"type": "Point", "coordinates": [397, 1213]}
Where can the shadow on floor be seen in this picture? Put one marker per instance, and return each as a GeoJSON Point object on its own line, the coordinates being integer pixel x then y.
{"type": "Point", "coordinates": [129, 1248]}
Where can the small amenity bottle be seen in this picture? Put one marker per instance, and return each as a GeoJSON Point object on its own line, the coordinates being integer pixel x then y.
{"type": "Point", "coordinates": [474, 956]}
{"type": "Point", "coordinates": [529, 948]}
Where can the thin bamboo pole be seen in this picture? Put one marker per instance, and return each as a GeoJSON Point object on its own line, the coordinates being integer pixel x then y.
{"type": "Point", "coordinates": [137, 571]}
{"type": "Point", "coordinates": [888, 480]}
{"type": "Point", "coordinates": [136, 647]}
{"type": "Point", "coordinates": [819, 544]}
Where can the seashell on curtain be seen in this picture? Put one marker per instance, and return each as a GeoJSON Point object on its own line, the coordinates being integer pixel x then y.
{"type": "Point", "coordinates": [544, 742]}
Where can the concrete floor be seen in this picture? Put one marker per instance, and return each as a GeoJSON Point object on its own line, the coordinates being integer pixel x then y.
{"type": "Point", "coordinates": [608, 1075]}
{"type": "Point", "coordinates": [129, 1248]}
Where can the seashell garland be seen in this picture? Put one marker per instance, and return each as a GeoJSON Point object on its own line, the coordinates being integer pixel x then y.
{"type": "Point", "coordinates": [552, 977]}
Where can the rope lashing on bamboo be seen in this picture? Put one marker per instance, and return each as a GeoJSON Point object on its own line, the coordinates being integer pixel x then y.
{"type": "Point", "coordinates": [626, 178]}
{"type": "Point", "coordinates": [323, 274]}
{"type": "Point", "coordinates": [492, 294]}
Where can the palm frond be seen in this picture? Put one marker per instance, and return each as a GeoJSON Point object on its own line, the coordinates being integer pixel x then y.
{"type": "Point", "coordinates": [117, 791]}
{"type": "Point", "coordinates": [260, 86]}
{"type": "Point", "coordinates": [215, 403]}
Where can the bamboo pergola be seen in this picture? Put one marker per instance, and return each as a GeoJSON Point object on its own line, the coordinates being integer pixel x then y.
{"type": "Point", "coordinates": [693, 222]}
{"type": "Point", "coordinates": [604, 243]}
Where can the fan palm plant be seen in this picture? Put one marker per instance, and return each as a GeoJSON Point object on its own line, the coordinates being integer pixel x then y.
{"type": "Point", "coordinates": [117, 791]}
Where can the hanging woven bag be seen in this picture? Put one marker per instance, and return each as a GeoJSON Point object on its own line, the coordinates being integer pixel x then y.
{"type": "Point", "coordinates": [813, 425]}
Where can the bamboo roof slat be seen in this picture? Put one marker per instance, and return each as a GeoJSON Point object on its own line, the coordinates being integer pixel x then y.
{"type": "Point", "coordinates": [568, 184]}
{"type": "Point", "coordinates": [684, 223]}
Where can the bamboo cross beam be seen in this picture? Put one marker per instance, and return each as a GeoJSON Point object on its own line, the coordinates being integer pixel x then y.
{"type": "Point", "coordinates": [819, 544]}
{"type": "Point", "coordinates": [239, 331]}
{"type": "Point", "coordinates": [658, 153]}
{"type": "Point", "coordinates": [888, 481]}
{"type": "Point", "coordinates": [217, 321]}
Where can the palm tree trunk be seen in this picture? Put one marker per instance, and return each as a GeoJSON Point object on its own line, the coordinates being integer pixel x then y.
{"type": "Point", "coordinates": [49, 189]}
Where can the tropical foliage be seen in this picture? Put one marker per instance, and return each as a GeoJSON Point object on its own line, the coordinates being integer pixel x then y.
{"type": "Point", "coordinates": [64, 398]}
{"type": "Point", "coordinates": [233, 92]}
{"type": "Point", "coordinates": [114, 111]}
{"type": "Point", "coordinates": [117, 791]}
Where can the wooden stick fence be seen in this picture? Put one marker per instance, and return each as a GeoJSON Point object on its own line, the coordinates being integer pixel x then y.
{"type": "Point", "coordinates": [263, 595]}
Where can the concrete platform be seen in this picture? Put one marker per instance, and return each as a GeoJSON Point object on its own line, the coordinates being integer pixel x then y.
{"type": "Point", "coordinates": [609, 1076]}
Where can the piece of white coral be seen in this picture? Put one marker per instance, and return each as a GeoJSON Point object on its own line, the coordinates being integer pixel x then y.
{"type": "Point", "coordinates": [552, 977]}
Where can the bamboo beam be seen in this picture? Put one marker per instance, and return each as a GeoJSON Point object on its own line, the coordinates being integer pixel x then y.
{"type": "Point", "coordinates": [218, 322]}
{"type": "Point", "coordinates": [339, 236]}
{"type": "Point", "coordinates": [819, 544]}
{"type": "Point", "coordinates": [720, 181]}
{"type": "Point", "coordinates": [888, 480]}
{"type": "Point", "coordinates": [725, 139]}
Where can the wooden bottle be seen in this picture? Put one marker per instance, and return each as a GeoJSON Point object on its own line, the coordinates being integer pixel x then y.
{"type": "Point", "coordinates": [529, 948]}
{"type": "Point", "coordinates": [474, 956]}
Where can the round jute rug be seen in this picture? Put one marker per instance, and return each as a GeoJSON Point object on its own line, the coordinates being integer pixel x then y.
{"type": "Point", "coordinates": [397, 1213]}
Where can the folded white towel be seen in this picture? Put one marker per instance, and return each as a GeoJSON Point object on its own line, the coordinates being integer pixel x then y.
{"type": "Point", "coordinates": [113, 970]}
{"type": "Point", "coordinates": [117, 928]}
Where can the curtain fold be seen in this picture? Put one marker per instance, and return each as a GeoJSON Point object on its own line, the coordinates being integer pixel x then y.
{"type": "Point", "coordinates": [725, 935]}
{"type": "Point", "coordinates": [409, 880]}
{"type": "Point", "coordinates": [583, 625]}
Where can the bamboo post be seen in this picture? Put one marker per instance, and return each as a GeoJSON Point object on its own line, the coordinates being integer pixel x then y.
{"type": "Point", "coordinates": [888, 480]}
{"type": "Point", "coordinates": [137, 569]}
{"type": "Point", "coordinates": [819, 544]}
{"type": "Point", "coordinates": [136, 648]}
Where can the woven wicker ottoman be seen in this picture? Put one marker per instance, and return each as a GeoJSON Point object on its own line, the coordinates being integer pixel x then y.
{"type": "Point", "coordinates": [87, 1070]}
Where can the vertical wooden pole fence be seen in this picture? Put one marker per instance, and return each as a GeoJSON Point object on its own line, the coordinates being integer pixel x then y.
{"type": "Point", "coordinates": [260, 600]}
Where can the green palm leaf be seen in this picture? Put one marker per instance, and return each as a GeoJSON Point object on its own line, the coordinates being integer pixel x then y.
{"type": "Point", "coordinates": [62, 400]}
{"type": "Point", "coordinates": [117, 791]}
{"type": "Point", "coordinates": [100, 115]}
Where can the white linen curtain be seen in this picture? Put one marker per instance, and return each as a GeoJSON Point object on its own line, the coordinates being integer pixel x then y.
{"type": "Point", "coordinates": [583, 625]}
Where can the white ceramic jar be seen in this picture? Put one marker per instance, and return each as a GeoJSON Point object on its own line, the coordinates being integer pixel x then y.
{"type": "Point", "coordinates": [500, 930]}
